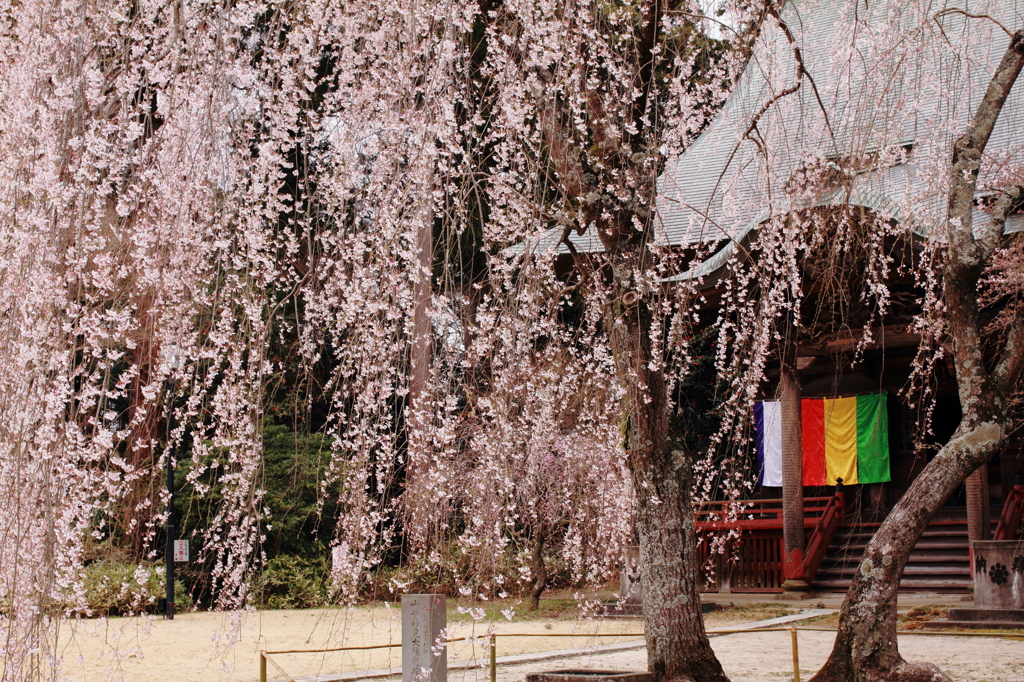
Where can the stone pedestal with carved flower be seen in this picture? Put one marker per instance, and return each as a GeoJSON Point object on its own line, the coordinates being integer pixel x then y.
{"type": "Point", "coordinates": [998, 588]}
{"type": "Point", "coordinates": [998, 574]}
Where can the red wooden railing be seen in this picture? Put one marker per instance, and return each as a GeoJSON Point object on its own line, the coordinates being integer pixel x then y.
{"type": "Point", "coordinates": [751, 514]}
{"type": "Point", "coordinates": [758, 566]}
{"type": "Point", "coordinates": [1010, 518]}
{"type": "Point", "coordinates": [821, 537]}
{"type": "Point", "coordinates": [755, 562]}
{"type": "Point", "coordinates": [711, 566]}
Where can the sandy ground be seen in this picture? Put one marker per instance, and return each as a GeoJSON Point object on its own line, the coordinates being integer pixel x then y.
{"type": "Point", "coordinates": [760, 657]}
{"type": "Point", "coordinates": [225, 648]}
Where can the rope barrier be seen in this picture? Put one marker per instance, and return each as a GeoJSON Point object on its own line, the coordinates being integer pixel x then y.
{"type": "Point", "coordinates": [493, 643]}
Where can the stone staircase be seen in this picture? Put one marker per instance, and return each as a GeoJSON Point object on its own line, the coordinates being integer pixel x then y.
{"type": "Point", "coordinates": [939, 563]}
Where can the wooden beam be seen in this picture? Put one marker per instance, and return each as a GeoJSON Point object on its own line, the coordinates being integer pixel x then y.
{"type": "Point", "coordinates": [889, 336]}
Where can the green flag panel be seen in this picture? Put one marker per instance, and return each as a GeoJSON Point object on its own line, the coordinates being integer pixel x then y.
{"type": "Point", "coordinates": [872, 439]}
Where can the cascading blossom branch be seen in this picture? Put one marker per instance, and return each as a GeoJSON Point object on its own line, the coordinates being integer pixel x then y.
{"type": "Point", "coordinates": [173, 172]}
{"type": "Point", "coordinates": [137, 225]}
{"type": "Point", "coordinates": [187, 179]}
{"type": "Point", "coordinates": [422, 164]}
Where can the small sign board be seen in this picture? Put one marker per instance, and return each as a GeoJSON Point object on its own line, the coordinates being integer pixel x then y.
{"type": "Point", "coordinates": [181, 550]}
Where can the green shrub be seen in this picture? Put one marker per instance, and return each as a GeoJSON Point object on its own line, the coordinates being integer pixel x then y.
{"type": "Point", "coordinates": [298, 525]}
{"type": "Point", "coordinates": [292, 582]}
{"type": "Point", "coordinates": [114, 588]}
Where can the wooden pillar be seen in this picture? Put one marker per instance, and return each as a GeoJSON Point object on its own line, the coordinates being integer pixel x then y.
{"type": "Point", "coordinates": [792, 480]}
{"type": "Point", "coordinates": [143, 417]}
{"type": "Point", "coordinates": [979, 515]}
{"type": "Point", "coordinates": [417, 443]}
{"type": "Point", "coordinates": [419, 370]}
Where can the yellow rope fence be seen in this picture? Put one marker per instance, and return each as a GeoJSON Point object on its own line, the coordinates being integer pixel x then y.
{"type": "Point", "coordinates": [493, 644]}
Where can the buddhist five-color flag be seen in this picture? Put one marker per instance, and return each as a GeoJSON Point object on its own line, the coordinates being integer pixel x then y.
{"type": "Point", "coordinates": [845, 438]}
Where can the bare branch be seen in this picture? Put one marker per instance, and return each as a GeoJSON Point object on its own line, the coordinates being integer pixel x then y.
{"type": "Point", "coordinates": [967, 256]}
{"type": "Point", "coordinates": [801, 69]}
{"type": "Point", "coordinates": [967, 152]}
{"type": "Point", "coordinates": [576, 258]}
{"type": "Point", "coordinates": [957, 10]}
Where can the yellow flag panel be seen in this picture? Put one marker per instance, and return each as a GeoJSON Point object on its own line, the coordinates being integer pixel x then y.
{"type": "Point", "coordinates": [841, 440]}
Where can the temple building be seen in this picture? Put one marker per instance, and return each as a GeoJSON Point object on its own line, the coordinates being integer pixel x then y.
{"type": "Point", "coordinates": [822, 121]}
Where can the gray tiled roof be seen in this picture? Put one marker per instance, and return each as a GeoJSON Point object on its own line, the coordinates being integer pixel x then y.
{"type": "Point", "coordinates": [721, 188]}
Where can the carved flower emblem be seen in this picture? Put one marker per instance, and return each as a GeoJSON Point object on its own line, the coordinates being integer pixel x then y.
{"type": "Point", "coordinates": [998, 573]}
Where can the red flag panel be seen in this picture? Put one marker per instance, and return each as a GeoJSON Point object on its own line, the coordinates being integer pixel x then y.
{"type": "Point", "coordinates": [813, 423]}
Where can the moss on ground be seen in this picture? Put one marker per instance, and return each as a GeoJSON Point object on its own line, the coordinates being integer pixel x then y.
{"type": "Point", "coordinates": [744, 613]}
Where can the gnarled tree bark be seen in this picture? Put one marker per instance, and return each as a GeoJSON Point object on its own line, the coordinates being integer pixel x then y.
{"type": "Point", "coordinates": [865, 649]}
{"type": "Point", "coordinates": [662, 470]}
{"type": "Point", "coordinates": [678, 648]}
{"type": "Point", "coordinates": [540, 568]}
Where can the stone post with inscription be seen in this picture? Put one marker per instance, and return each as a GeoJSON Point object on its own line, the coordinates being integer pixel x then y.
{"type": "Point", "coordinates": [629, 579]}
{"type": "Point", "coordinates": [424, 654]}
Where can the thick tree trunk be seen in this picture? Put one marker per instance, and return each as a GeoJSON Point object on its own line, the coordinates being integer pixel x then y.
{"type": "Point", "coordinates": [865, 649]}
{"type": "Point", "coordinates": [595, 175]}
{"type": "Point", "coordinates": [677, 645]}
{"type": "Point", "coordinates": [540, 569]}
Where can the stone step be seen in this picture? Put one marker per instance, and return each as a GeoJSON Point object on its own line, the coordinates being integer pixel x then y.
{"type": "Point", "coordinates": [987, 615]}
{"type": "Point", "coordinates": [940, 556]}
{"type": "Point", "coordinates": [944, 533]}
{"type": "Point", "coordinates": [940, 532]}
{"type": "Point", "coordinates": [911, 569]}
{"type": "Point", "coordinates": [943, 624]}
{"type": "Point", "coordinates": [928, 553]}
{"type": "Point", "coordinates": [854, 554]}
{"type": "Point", "coordinates": [906, 585]}
{"type": "Point", "coordinates": [939, 562]}
{"type": "Point", "coordinates": [927, 543]}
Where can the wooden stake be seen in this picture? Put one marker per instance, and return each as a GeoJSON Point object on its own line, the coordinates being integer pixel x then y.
{"type": "Point", "coordinates": [796, 656]}
{"type": "Point", "coordinates": [494, 658]}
